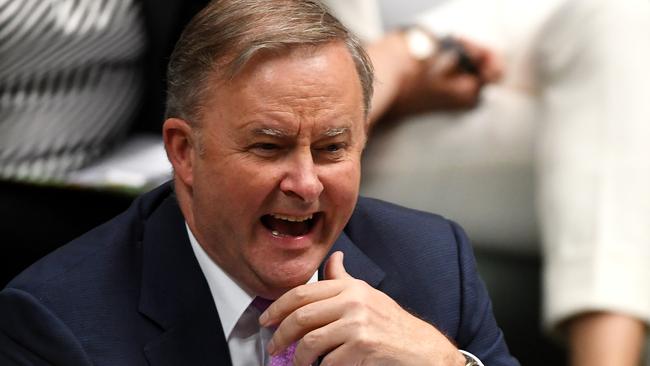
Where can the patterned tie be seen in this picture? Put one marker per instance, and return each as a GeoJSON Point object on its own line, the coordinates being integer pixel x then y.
{"type": "Point", "coordinates": [285, 357]}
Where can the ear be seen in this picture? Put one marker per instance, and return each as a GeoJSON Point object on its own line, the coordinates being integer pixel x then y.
{"type": "Point", "coordinates": [179, 144]}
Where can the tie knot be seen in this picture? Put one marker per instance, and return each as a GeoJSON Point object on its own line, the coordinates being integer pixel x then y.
{"type": "Point", "coordinates": [261, 303]}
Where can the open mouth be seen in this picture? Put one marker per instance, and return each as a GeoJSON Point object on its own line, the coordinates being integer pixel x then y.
{"type": "Point", "coordinates": [284, 225]}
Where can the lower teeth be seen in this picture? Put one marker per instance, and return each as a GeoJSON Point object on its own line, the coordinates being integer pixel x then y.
{"type": "Point", "coordinates": [275, 233]}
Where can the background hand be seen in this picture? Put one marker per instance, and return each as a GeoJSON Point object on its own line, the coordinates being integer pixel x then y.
{"type": "Point", "coordinates": [440, 83]}
{"type": "Point", "coordinates": [406, 85]}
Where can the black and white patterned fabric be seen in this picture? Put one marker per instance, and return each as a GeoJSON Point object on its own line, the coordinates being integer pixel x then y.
{"type": "Point", "coordinates": [70, 82]}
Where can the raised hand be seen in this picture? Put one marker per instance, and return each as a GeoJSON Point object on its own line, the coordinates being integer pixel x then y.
{"type": "Point", "coordinates": [351, 323]}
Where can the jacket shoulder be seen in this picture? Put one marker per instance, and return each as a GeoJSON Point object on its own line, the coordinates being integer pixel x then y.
{"type": "Point", "coordinates": [422, 252]}
{"type": "Point", "coordinates": [388, 220]}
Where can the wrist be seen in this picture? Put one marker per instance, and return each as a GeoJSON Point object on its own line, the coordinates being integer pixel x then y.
{"type": "Point", "coordinates": [404, 61]}
{"type": "Point", "coordinates": [394, 67]}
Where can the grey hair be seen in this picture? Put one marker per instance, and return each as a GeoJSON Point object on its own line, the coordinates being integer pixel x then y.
{"type": "Point", "coordinates": [226, 34]}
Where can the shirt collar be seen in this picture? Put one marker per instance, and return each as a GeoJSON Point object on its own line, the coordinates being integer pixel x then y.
{"type": "Point", "coordinates": [231, 307]}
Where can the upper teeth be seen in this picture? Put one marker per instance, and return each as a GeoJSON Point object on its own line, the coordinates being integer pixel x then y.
{"type": "Point", "coordinates": [293, 218]}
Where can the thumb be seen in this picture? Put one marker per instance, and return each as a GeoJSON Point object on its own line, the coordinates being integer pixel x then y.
{"type": "Point", "coordinates": [334, 269]}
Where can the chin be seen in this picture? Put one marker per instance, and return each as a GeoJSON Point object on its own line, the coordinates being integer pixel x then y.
{"type": "Point", "coordinates": [287, 275]}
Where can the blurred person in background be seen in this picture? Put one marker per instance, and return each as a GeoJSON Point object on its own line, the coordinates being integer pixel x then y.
{"type": "Point", "coordinates": [77, 76]}
{"type": "Point", "coordinates": [77, 79]}
{"type": "Point", "coordinates": [566, 127]}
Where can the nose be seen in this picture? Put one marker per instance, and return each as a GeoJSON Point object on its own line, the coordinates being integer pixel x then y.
{"type": "Point", "coordinates": [301, 179]}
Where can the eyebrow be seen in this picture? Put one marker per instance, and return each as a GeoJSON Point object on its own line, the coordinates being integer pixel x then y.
{"type": "Point", "coordinates": [274, 132]}
{"type": "Point", "coordinates": [336, 131]}
{"type": "Point", "coordinates": [270, 132]}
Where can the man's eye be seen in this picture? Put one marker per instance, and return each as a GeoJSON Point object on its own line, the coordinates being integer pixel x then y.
{"type": "Point", "coordinates": [265, 149]}
{"type": "Point", "coordinates": [266, 146]}
{"type": "Point", "coordinates": [333, 147]}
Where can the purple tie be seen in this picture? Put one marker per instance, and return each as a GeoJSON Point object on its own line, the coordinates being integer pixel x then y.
{"type": "Point", "coordinates": [284, 358]}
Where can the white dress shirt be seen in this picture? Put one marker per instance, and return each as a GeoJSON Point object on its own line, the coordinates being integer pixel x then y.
{"type": "Point", "coordinates": [246, 340]}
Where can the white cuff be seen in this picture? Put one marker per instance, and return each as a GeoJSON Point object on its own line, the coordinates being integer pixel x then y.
{"type": "Point", "coordinates": [472, 357]}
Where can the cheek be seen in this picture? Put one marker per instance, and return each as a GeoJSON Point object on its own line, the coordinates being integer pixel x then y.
{"type": "Point", "coordinates": [248, 190]}
{"type": "Point", "coordinates": [224, 191]}
{"type": "Point", "coordinates": [342, 183]}
{"type": "Point", "coordinates": [237, 176]}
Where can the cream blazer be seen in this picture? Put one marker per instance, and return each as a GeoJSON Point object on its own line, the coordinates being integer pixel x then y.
{"type": "Point", "coordinates": [557, 153]}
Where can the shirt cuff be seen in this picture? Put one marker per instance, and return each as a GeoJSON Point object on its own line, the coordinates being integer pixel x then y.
{"type": "Point", "coordinates": [471, 357]}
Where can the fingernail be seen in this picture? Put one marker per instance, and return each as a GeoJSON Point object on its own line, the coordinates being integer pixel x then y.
{"type": "Point", "coordinates": [270, 348]}
{"type": "Point", "coordinates": [264, 318]}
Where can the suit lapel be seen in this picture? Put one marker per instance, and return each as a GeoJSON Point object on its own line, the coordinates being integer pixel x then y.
{"type": "Point", "coordinates": [356, 263]}
{"type": "Point", "coordinates": [175, 295]}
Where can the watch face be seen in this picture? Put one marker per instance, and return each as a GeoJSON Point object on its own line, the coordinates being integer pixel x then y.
{"type": "Point", "coordinates": [420, 44]}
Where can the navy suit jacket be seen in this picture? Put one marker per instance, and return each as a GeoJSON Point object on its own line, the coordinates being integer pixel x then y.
{"type": "Point", "coordinates": [131, 292]}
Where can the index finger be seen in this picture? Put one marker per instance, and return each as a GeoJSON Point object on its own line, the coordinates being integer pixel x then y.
{"type": "Point", "coordinates": [297, 298]}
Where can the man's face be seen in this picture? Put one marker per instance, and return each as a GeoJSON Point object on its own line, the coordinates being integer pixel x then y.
{"type": "Point", "coordinates": [279, 174]}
